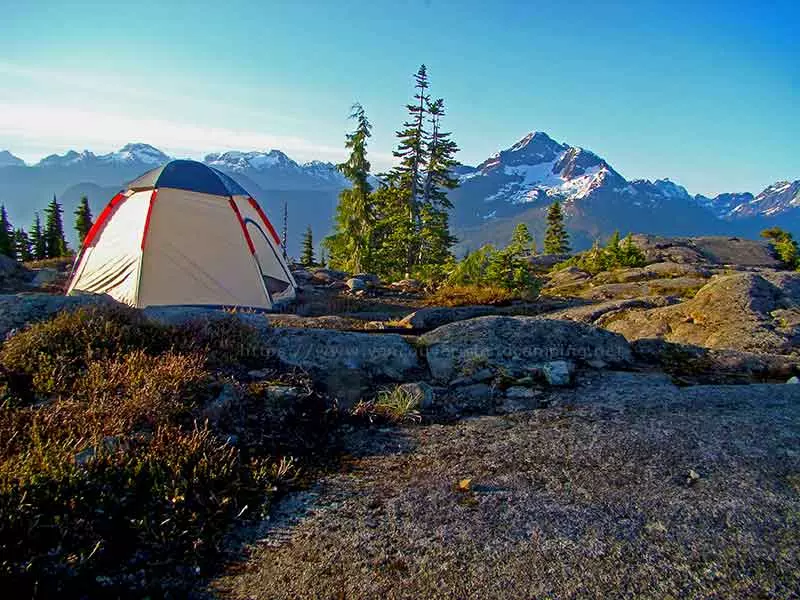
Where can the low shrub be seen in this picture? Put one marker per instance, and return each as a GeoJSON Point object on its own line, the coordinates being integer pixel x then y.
{"type": "Point", "coordinates": [112, 481]}
{"type": "Point", "coordinates": [465, 295]}
{"type": "Point", "coordinates": [50, 357]}
{"type": "Point", "coordinates": [398, 405]}
{"type": "Point", "coordinates": [614, 255]}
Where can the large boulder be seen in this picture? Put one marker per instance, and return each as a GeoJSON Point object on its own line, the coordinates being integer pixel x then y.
{"type": "Point", "coordinates": [346, 364]}
{"type": "Point", "coordinates": [713, 250]}
{"type": "Point", "coordinates": [589, 313]}
{"type": "Point", "coordinates": [744, 311]}
{"type": "Point", "coordinates": [707, 365]}
{"type": "Point", "coordinates": [517, 345]}
{"type": "Point", "coordinates": [436, 316]}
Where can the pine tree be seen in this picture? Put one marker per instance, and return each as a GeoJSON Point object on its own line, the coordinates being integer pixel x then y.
{"type": "Point", "coordinates": [351, 242]}
{"type": "Point", "coordinates": [521, 239]}
{"type": "Point", "coordinates": [411, 149]}
{"type": "Point", "coordinates": [434, 222]}
{"type": "Point", "coordinates": [6, 234]}
{"type": "Point", "coordinates": [83, 219]}
{"type": "Point", "coordinates": [556, 239]}
{"type": "Point", "coordinates": [38, 242]}
{"type": "Point", "coordinates": [307, 254]}
{"type": "Point", "coordinates": [22, 245]}
{"type": "Point", "coordinates": [55, 243]}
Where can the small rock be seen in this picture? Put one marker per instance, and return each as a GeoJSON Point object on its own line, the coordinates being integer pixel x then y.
{"type": "Point", "coordinates": [558, 372]}
{"type": "Point", "coordinates": [407, 285]}
{"type": "Point", "coordinates": [356, 285]}
{"type": "Point", "coordinates": [45, 276]}
{"type": "Point", "coordinates": [520, 392]}
{"type": "Point", "coordinates": [596, 363]}
{"type": "Point", "coordinates": [369, 278]}
{"type": "Point", "coordinates": [282, 393]}
{"type": "Point", "coordinates": [374, 325]}
{"type": "Point", "coordinates": [84, 456]}
{"type": "Point", "coordinates": [692, 477]}
{"type": "Point", "coordinates": [215, 409]}
{"type": "Point", "coordinates": [258, 374]}
{"type": "Point", "coordinates": [477, 377]}
{"type": "Point", "coordinates": [793, 380]}
{"type": "Point", "coordinates": [421, 391]}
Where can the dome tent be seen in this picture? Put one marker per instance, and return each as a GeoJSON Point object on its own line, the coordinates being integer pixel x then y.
{"type": "Point", "coordinates": [184, 234]}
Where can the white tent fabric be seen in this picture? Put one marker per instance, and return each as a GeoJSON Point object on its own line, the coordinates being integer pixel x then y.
{"type": "Point", "coordinates": [177, 246]}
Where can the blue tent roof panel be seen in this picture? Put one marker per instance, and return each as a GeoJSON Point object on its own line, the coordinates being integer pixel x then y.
{"type": "Point", "coordinates": [189, 175]}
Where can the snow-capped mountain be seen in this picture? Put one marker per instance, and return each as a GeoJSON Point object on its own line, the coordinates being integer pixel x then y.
{"type": "Point", "coordinates": [276, 170]}
{"type": "Point", "coordinates": [517, 184]}
{"type": "Point", "coordinates": [9, 160]}
{"type": "Point", "coordinates": [130, 154]}
{"type": "Point", "coordinates": [537, 168]}
{"type": "Point", "coordinates": [775, 200]}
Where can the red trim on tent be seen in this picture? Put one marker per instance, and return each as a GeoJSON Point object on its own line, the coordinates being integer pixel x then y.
{"type": "Point", "coordinates": [264, 218]}
{"type": "Point", "coordinates": [101, 220]}
{"type": "Point", "coordinates": [243, 226]}
{"type": "Point", "coordinates": [147, 218]}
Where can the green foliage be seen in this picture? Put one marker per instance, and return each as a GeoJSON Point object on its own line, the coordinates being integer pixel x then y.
{"type": "Point", "coordinates": [350, 245]}
{"type": "Point", "coordinates": [556, 239]}
{"type": "Point", "coordinates": [469, 295]}
{"type": "Point", "coordinates": [38, 242]}
{"type": "Point", "coordinates": [6, 234]}
{"type": "Point", "coordinates": [54, 240]}
{"type": "Point", "coordinates": [614, 255]}
{"type": "Point", "coordinates": [507, 268]}
{"type": "Point", "coordinates": [22, 246]}
{"type": "Point", "coordinates": [83, 219]}
{"type": "Point", "coordinates": [785, 246]}
{"type": "Point", "coordinates": [307, 252]}
{"type": "Point", "coordinates": [398, 405]}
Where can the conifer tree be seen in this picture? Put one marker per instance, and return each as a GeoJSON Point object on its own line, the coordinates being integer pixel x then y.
{"type": "Point", "coordinates": [307, 253]}
{"type": "Point", "coordinates": [22, 245]}
{"type": "Point", "coordinates": [6, 234]}
{"type": "Point", "coordinates": [83, 219]}
{"type": "Point", "coordinates": [411, 148]}
{"type": "Point", "coordinates": [350, 245]}
{"type": "Point", "coordinates": [38, 242]}
{"type": "Point", "coordinates": [556, 239]}
{"type": "Point", "coordinates": [521, 239]}
{"type": "Point", "coordinates": [55, 243]}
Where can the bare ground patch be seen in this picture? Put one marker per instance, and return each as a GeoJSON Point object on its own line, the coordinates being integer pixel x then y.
{"type": "Point", "coordinates": [593, 497]}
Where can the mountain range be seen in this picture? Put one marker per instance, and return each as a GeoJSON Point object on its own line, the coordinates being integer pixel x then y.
{"type": "Point", "coordinates": [516, 184]}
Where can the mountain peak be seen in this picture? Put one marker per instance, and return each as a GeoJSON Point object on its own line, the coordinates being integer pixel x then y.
{"type": "Point", "coordinates": [9, 160]}
{"type": "Point", "coordinates": [138, 152]}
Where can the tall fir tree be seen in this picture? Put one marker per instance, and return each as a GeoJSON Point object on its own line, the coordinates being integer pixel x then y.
{"type": "Point", "coordinates": [350, 244]}
{"type": "Point", "coordinates": [83, 219]}
{"type": "Point", "coordinates": [411, 149]}
{"type": "Point", "coordinates": [22, 245]}
{"type": "Point", "coordinates": [55, 242]}
{"type": "Point", "coordinates": [438, 181]}
{"type": "Point", "coordinates": [38, 242]}
{"type": "Point", "coordinates": [556, 238]}
{"type": "Point", "coordinates": [307, 253]}
{"type": "Point", "coordinates": [6, 234]}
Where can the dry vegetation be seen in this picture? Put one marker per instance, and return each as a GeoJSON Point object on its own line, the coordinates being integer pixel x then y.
{"type": "Point", "coordinates": [466, 295]}
{"type": "Point", "coordinates": [120, 469]}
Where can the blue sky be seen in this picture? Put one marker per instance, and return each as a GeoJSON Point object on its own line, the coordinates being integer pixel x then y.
{"type": "Point", "coordinates": [704, 93]}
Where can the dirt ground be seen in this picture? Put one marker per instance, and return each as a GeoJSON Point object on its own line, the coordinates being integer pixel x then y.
{"type": "Point", "coordinates": [626, 486]}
